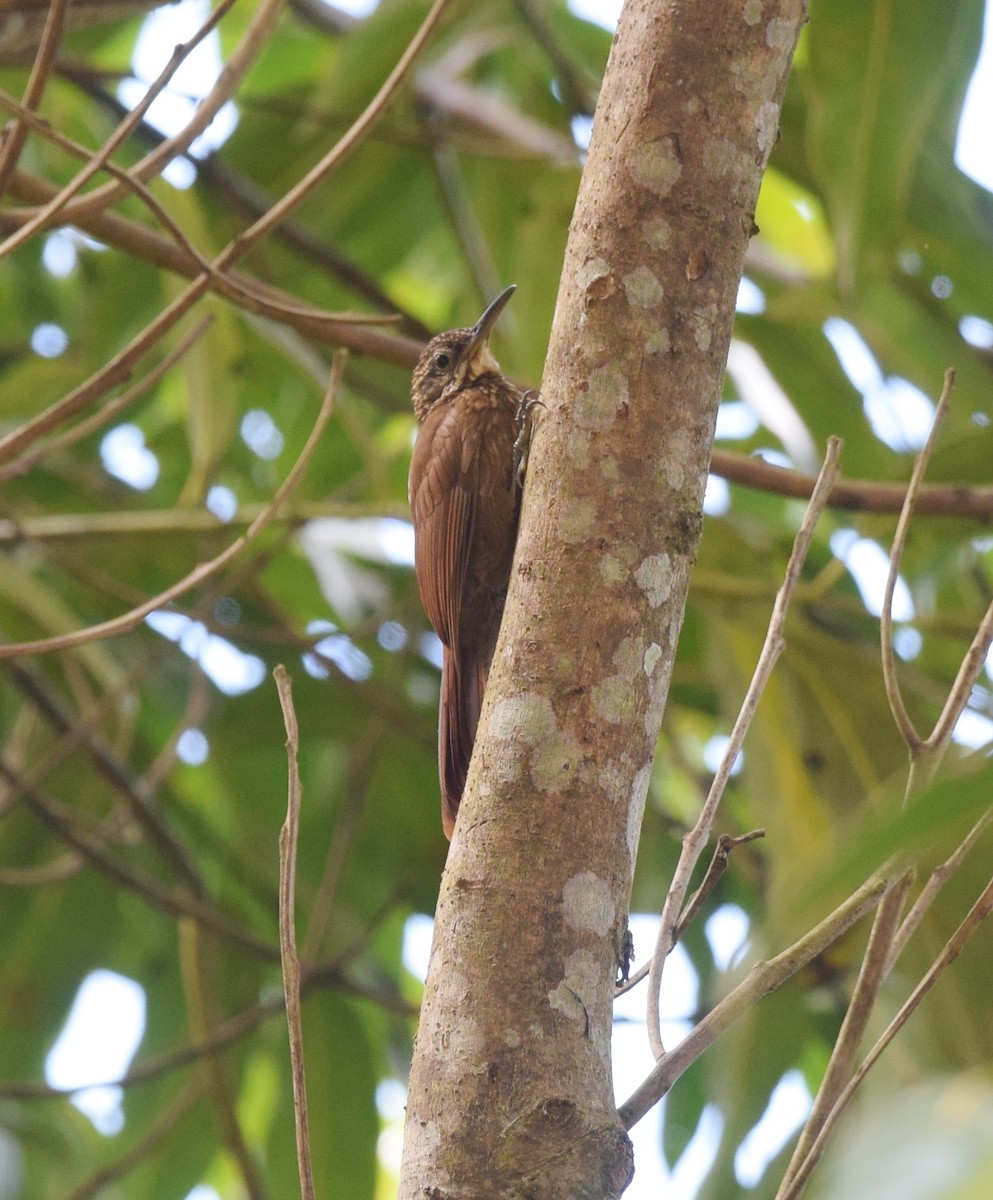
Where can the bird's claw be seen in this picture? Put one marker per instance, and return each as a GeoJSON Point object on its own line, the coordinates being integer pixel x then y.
{"type": "Point", "coordinates": [522, 443]}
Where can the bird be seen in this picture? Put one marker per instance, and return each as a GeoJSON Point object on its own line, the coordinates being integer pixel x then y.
{"type": "Point", "coordinates": [465, 500]}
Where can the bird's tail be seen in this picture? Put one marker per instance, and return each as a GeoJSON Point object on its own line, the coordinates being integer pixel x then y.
{"type": "Point", "coordinates": [458, 716]}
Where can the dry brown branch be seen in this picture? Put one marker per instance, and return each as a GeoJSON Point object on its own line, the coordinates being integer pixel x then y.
{"type": "Point", "coordinates": [719, 863]}
{"type": "Point", "coordinates": [135, 616]}
{"type": "Point", "coordinates": [123, 362]}
{"type": "Point", "coordinates": [839, 1068]}
{"type": "Point", "coordinates": [99, 158]}
{"type": "Point", "coordinates": [861, 496]}
{"type": "Point", "coordinates": [288, 838]}
{"type": "Point", "coordinates": [763, 978]}
{"type": "Point", "coordinates": [152, 247]}
{"type": "Point", "coordinates": [929, 892]}
{"type": "Point", "coordinates": [952, 949]}
{"type": "Point", "coordinates": [240, 60]}
{"type": "Point", "coordinates": [13, 143]}
{"type": "Point", "coordinates": [178, 522]}
{"type": "Point", "coordinates": [890, 678]}
{"type": "Point", "coordinates": [97, 420]}
{"type": "Point", "coordinates": [696, 839]}
{"type": "Point", "coordinates": [159, 1129]}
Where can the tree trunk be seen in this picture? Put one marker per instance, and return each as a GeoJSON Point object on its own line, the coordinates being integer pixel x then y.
{"type": "Point", "coordinates": [510, 1090]}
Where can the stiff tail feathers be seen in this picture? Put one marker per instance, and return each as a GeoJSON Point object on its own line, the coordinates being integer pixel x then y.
{"type": "Point", "coordinates": [458, 716]}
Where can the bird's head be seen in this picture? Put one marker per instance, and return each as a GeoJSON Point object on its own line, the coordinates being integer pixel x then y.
{"type": "Point", "coordinates": [454, 359]}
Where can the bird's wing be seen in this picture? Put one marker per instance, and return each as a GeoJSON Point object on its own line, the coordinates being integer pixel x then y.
{"type": "Point", "coordinates": [444, 511]}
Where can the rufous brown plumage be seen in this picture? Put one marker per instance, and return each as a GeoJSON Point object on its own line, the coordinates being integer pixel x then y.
{"type": "Point", "coordinates": [465, 504]}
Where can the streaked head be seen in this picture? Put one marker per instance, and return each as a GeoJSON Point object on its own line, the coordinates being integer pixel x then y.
{"type": "Point", "coordinates": [454, 359]}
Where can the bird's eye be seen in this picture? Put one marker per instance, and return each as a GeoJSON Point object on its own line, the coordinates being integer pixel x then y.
{"type": "Point", "coordinates": [441, 361]}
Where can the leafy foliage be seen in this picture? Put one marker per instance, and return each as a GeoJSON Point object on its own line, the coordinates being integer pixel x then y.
{"type": "Point", "coordinates": [115, 838]}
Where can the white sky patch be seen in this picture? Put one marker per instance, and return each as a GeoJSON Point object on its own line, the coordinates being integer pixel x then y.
{"type": "Point", "coordinates": [735, 421]}
{"type": "Point", "coordinates": [601, 12]}
{"type": "Point", "coordinates": [977, 331]}
{"type": "Point", "coordinates": [713, 752]}
{"type": "Point", "coordinates": [222, 502]}
{"type": "Point", "coordinates": [98, 1041]}
{"type": "Point", "coordinates": [230, 670]}
{"type": "Point", "coordinates": [192, 747]}
{"type": "Point", "coordinates": [907, 642]}
{"type": "Point", "coordinates": [717, 497]}
{"type": "Point", "coordinates": [337, 648]}
{"type": "Point", "coordinates": [49, 340]}
{"type": "Point", "coordinates": [786, 1111]}
{"type": "Point", "coordinates": [395, 539]}
{"type": "Point", "coordinates": [868, 565]}
{"type": "Point", "coordinates": [332, 545]}
{"type": "Point", "coordinates": [727, 933]}
{"type": "Point", "coordinates": [582, 130]}
{"type": "Point", "coordinates": [775, 458]}
{"type": "Point", "coordinates": [972, 149]}
{"type": "Point", "coordinates": [751, 298]}
{"type": "Point", "coordinates": [973, 729]}
{"type": "Point", "coordinates": [261, 434]}
{"type": "Point", "coordinates": [162, 31]}
{"type": "Point", "coordinates": [58, 255]}
{"type": "Point", "coordinates": [127, 458]}
{"type": "Point", "coordinates": [392, 636]}
{"type": "Point", "coordinates": [899, 413]}
{"type": "Point", "coordinates": [431, 648]}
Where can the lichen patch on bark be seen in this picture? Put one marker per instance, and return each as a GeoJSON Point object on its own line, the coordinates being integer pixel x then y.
{"type": "Point", "coordinates": [587, 903]}
{"type": "Point", "coordinates": [655, 578]}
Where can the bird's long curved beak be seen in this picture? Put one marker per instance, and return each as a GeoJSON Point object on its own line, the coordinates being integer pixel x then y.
{"type": "Point", "coordinates": [484, 326]}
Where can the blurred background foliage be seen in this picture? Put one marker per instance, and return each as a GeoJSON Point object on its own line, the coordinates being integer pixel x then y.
{"type": "Point", "coordinates": [144, 776]}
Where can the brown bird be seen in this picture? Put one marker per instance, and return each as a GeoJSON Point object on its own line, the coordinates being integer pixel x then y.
{"type": "Point", "coordinates": [465, 502]}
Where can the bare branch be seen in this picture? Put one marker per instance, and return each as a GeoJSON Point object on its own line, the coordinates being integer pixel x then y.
{"type": "Point", "coordinates": [122, 363]}
{"type": "Point", "coordinates": [839, 1068]}
{"type": "Point", "coordinates": [100, 157]}
{"type": "Point", "coordinates": [953, 948]}
{"type": "Point", "coordinates": [929, 893]}
{"type": "Point", "coordinates": [288, 838]}
{"type": "Point", "coordinates": [697, 838]}
{"type": "Point", "coordinates": [13, 143]}
{"type": "Point", "coordinates": [97, 420]}
{"type": "Point", "coordinates": [135, 616]}
{"type": "Point", "coordinates": [890, 677]}
{"type": "Point", "coordinates": [761, 980]}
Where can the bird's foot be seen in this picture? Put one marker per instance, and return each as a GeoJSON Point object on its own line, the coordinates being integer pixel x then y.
{"type": "Point", "coordinates": [522, 443]}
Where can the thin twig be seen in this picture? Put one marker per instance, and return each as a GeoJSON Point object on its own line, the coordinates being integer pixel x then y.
{"type": "Point", "coordinates": [161, 1126]}
{"type": "Point", "coordinates": [697, 838]}
{"type": "Point", "coordinates": [253, 42]}
{"type": "Point", "coordinates": [961, 690]}
{"type": "Point", "coordinates": [953, 948]}
{"type": "Point", "coordinates": [890, 676]}
{"type": "Point", "coordinates": [763, 978]}
{"type": "Point", "coordinates": [98, 159]}
{"type": "Point", "coordinates": [288, 838]}
{"type": "Point", "coordinates": [135, 616]}
{"type": "Point", "coordinates": [929, 892]}
{"type": "Point", "coordinates": [122, 363]}
{"type": "Point", "coordinates": [839, 1068]}
{"type": "Point", "coordinates": [179, 522]}
{"type": "Point", "coordinates": [55, 445]}
{"type": "Point", "coordinates": [719, 864]}
{"type": "Point", "coordinates": [13, 143]}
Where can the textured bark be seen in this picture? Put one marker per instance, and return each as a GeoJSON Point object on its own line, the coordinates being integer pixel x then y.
{"type": "Point", "coordinates": [510, 1092]}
